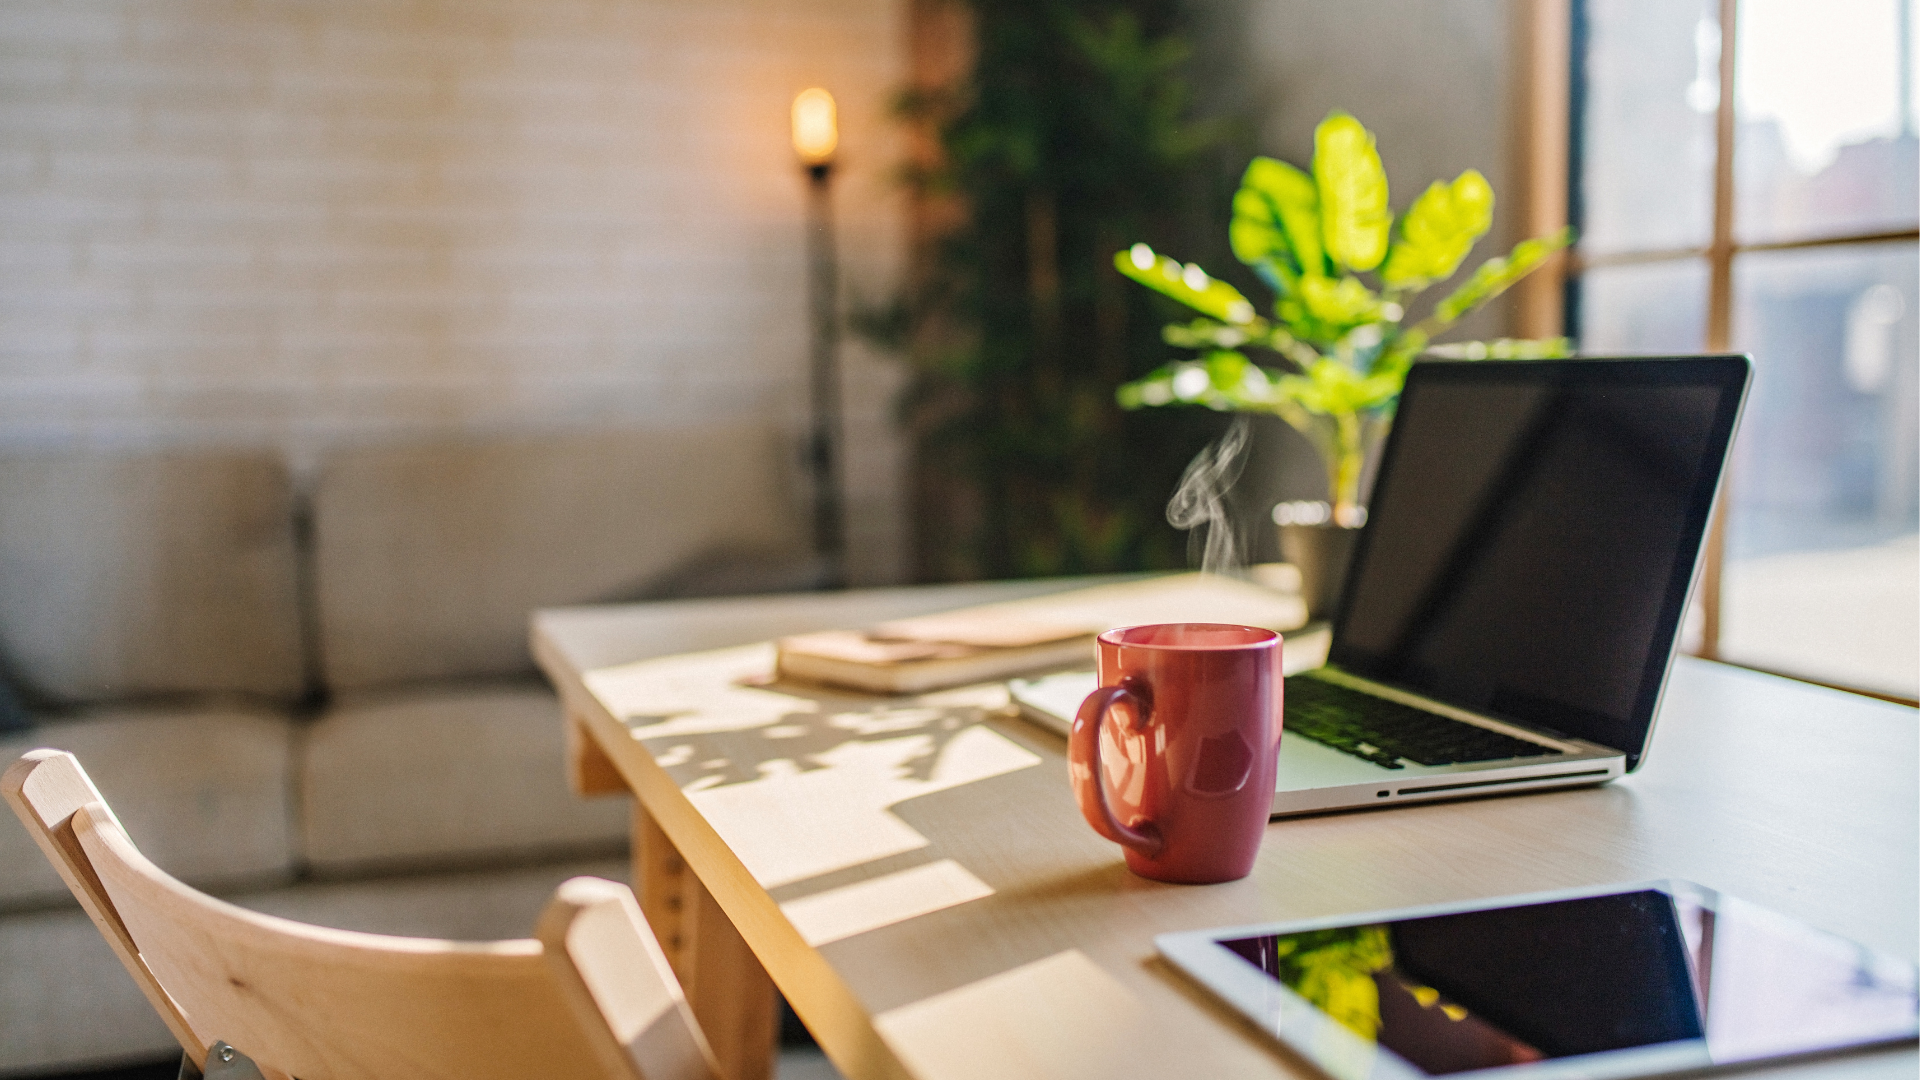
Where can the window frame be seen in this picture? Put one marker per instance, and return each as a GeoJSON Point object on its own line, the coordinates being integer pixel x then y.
{"type": "Point", "coordinates": [1550, 83]}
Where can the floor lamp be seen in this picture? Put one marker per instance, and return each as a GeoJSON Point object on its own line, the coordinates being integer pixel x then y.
{"type": "Point", "coordinates": [815, 135]}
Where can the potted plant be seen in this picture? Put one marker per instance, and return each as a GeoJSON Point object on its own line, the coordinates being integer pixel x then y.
{"type": "Point", "coordinates": [1342, 343]}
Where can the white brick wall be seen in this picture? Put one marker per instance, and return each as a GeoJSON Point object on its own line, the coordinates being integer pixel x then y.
{"type": "Point", "coordinates": [303, 222]}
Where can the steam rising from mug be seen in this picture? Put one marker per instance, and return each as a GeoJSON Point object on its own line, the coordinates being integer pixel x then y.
{"type": "Point", "coordinates": [1201, 498]}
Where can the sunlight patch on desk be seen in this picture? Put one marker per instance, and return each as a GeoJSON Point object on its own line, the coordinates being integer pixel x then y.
{"type": "Point", "coordinates": [782, 838]}
{"type": "Point", "coordinates": [800, 778]}
{"type": "Point", "coordinates": [794, 823]}
{"type": "Point", "coordinates": [1010, 1025]}
{"type": "Point", "coordinates": [841, 913]}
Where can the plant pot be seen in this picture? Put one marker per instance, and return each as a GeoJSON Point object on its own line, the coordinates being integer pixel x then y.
{"type": "Point", "coordinates": [1321, 552]}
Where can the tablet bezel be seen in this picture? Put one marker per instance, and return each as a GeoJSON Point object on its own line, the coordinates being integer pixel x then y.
{"type": "Point", "coordinates": [1342, 1055]}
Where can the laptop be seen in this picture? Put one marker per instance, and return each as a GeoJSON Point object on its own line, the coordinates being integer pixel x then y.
{"type": "Point", "coordinates": [1515, 598]}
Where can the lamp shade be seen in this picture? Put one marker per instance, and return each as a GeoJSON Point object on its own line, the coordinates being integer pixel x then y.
{"type": "Point", "coordinates": [816, 127]}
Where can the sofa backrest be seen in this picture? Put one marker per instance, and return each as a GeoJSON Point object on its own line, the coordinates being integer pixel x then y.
{"type": "Point", "coordinates": [429, 558]}
{"type": "Point", "coordinates": [125, 576]}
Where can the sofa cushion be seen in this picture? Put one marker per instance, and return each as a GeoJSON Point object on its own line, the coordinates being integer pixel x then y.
{"type": "Point", "coordinates": [415, 779]}
{"type": "Point", "coordinates": [429, 558]}
{"type": "Point", "coordinates": [132, 575]}
{"type": "Point", "coordinates": [203, 792]}
{"type": "Point", "coordinates": [13, 712]}
{"type": "Point", "coordinates": [65, 1001]}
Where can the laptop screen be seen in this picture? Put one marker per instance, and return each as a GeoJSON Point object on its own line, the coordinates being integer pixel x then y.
{"type": "Point", "coordinates": [1532, 534]}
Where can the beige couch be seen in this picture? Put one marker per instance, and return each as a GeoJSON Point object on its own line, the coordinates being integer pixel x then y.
{"type": "Point", "coordinates": [322, 706]}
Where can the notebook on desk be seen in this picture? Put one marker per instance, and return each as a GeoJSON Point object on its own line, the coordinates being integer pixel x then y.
{"type": "Point", "coordinates": [1515, 599]}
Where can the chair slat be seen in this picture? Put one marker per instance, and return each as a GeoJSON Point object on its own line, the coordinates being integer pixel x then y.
{"type": "Point", "coordinates": [593, 932]}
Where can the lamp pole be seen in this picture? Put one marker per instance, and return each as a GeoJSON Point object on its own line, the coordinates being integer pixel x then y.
{"type": "Point", "coordinates": [815, 135]}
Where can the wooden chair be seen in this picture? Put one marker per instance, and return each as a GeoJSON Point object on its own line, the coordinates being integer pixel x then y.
{"type": "Point", "coordinates": [590, 996]}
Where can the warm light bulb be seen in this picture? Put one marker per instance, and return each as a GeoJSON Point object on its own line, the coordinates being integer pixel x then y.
{"type": "Point", "coordinates": [816, 130]}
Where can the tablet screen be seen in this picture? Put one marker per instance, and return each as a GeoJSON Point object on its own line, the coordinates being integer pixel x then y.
{"type": "Point", "coordinates": [1516, 985]}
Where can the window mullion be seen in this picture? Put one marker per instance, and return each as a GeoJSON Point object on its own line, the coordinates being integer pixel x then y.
{"type": "Point", "coordinates": [1543, 36]}
{"type": "Point", "coordinates": [1720, 250]}
{"type": "Point", "coordinates": [1720, 303]}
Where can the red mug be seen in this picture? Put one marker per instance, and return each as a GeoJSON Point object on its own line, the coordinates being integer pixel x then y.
{"type": "Point", "coordinates": [1173, 757]}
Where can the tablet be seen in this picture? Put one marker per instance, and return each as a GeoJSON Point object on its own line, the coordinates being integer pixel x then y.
{"type": "Point", "coordinates": [1620, 981]}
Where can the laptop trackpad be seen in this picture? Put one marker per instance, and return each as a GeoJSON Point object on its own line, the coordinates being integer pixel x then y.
{"type": "Point", "coordinates": [1305, 764]}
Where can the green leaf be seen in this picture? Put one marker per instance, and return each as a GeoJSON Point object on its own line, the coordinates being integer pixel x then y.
{"type": "Point", "coordinates": [1209, 334]}
{"type": "Point", "coordinates": [1438, 231]}
{"type": "Point", "coordinates": [1355, 219]}
{"type": "Point", "coordinates": [1204, 334]}
{"type": "Point", "coordinates": [1340, 305]}
{"type": "Point", "coordinates": [1227, 375]}
{"type": "Point", "coordinates": [1494, 276]}
{"type": "Point", "coordinates": [1400, 353]}
{"type": "Point", "coordinates": [1331, 388]}
{"type": "Point", "coordinates": [1276, 214]}
{"type": "Point", "coordinates": [1188, 284]}
{"type": "Point", "coordinates": [1222, 380]}
{"type": "Point", "coordinates": [1504, 349]}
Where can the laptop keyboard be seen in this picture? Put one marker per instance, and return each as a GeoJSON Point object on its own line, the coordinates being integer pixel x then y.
{"type": "Point", "coordinates": [1381, 731]}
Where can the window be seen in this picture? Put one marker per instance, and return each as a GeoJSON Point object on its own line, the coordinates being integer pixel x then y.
{"type": "Point", "coordinates": [1743, 177]}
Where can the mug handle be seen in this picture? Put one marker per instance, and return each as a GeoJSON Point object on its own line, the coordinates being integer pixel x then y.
{"type": "Point", "coordinates": [1083, 762]}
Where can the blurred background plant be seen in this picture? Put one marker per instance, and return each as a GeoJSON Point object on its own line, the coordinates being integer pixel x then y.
{"type": "Point", "coordinates": [1072, 134]}
{"type": "Point", "coordinates": [1344, 345]}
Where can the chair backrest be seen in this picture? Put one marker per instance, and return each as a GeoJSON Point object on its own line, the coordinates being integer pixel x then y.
{"type": "Point", "coordinates": [591, 996]}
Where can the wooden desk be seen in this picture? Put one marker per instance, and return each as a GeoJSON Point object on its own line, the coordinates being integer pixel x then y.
{"type": "Point", "coordinates": [915, 877]}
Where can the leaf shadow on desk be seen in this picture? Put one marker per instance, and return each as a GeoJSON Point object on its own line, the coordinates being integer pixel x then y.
{"type": "Point", "coordinates": [807, 740]}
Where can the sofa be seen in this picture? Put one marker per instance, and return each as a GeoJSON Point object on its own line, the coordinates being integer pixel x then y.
{"type": "Point", "coordinates": [314, 697]}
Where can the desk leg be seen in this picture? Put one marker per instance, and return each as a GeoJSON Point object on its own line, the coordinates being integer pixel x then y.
{"type": "Point", "coordinates": [589, 770]}
{"type": "Point", "coordinates": [729, 991]}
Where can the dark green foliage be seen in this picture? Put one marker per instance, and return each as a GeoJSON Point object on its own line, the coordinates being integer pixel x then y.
{"type": "Point", "coordinates": [1073, 137]}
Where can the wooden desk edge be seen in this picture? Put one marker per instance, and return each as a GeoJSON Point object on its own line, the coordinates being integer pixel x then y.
{"type": "Point", "coordinates": [828, 1007]}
